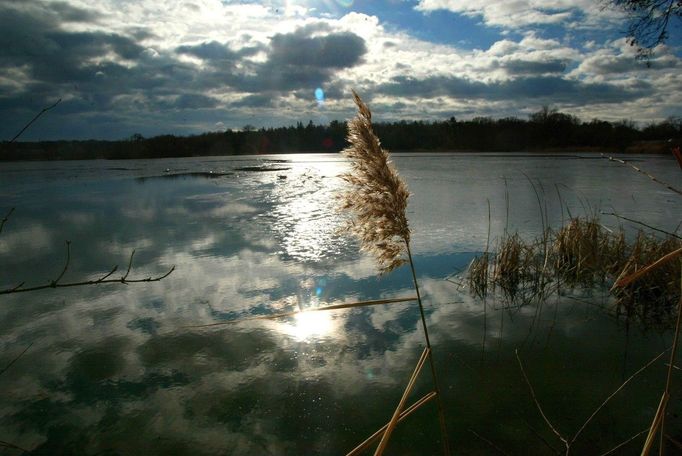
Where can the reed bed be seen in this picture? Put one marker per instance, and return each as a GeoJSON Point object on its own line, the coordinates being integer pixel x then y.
{"type": "Point", "coordinates": [653, 297]}
{"type": "Point", "coordinates": [584, 255]}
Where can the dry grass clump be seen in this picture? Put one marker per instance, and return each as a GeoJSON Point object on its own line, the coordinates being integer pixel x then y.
{"type": "Point", "coordinates": [377, 196]}
{"type": "Point", "coordinates": [518, 269]}
{"type": "Point", "coordinates": [653, 298]}
{"type": "Point", "coordinates": [581, 251]}
{"type": "Point", "coordinates": [583, 254]}
{"type": "Point", "coordinates": [478, 275]}
{"type": "Point", "coordinates": [513, 266]}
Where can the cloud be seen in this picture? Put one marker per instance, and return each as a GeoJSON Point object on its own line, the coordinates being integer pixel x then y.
{"type": "Point", "coordinates": [505, 13]}
{"type": "Point", "coordinates": [334, 50]}
{"type": "Point", "coordinates": [125, 67]}
{"type": "Point", "coordinates": [538, 88]}
{"type": "Point", "coordinates": [215, 51]}
{"type": "Point", "coordinates": [524, 13]}
{"type": "Point", "coordinates": [194, 101]}
{"type": "Point", "coordinates": [519, 66]}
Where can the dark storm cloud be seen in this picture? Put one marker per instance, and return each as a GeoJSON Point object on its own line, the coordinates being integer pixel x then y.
{"type": "Point", "coordinates": [195, 101]}
{"type": "Point", "coordinates": [112, 77]}
{"type": "Point", "coordinates": [260, 100]}
{"type": "Point", "coordinates": [55, 56]}
{"type": "Point", "coordinates": [557, 89]}
{"type": "Point", "coordinates": [302, 59]}
{"type": "Point", "coordinates": [93, 72]}
{"type": "Point", "coordinates": [335, 50]}
{"type": "Point", "coordinates": [518, 66]}
{"type": "Point", "coordinates": [214, 51]}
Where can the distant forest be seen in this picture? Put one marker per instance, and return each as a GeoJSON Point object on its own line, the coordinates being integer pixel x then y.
{"type": "Point", "coordinates": [546, 130]}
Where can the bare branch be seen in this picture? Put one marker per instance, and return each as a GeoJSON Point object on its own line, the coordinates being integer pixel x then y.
{"type": "Point", "coordinates": [622, 444]}
{"type": "Point", "coordinates": [12, 446]}
{"type": "Point", "coordinates": [648, 23]}
{"type": "Point", "coordinates": [537, 404]}
{"type": "Point", "coordinates": [66, 265]}
{"type": "Point", "coordinates": [34, 119]}
{"type": "Point", "coordinates": [2, 222]}
{"type": "Point", "coordinates": [668, 233]}
{"type": "Point", "coordinates": [495, 447]}
{"type": "Point", "coordinates": [130, 264]}
{"type": "Point", "coordinates": [603, 404]}
{"type": "Point", "coordinates": [15, 359]}
{"type": "Point", "coordinates": [104, 279]}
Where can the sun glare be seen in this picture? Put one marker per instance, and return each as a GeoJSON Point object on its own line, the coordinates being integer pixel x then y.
{"type": "Point", "coordinates": [308, 325]}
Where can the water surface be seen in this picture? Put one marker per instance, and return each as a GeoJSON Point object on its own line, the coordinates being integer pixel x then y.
{"type": "Point", "coordinates": [117, 369]}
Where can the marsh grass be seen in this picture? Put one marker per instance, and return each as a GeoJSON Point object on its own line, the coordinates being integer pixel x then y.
{"type": "Point", "coordinates": [653, 297]}
{"type": "Point", "coordinates": [584, 255]}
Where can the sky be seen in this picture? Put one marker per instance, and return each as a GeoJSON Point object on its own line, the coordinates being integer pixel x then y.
{"type": "Point", "coordinates": [122, 67]}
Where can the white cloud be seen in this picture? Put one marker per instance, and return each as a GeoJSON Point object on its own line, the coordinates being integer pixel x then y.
{"type": "Point", "coordinates": [190, 67]}
{"type": "Point", "coordinates": [520, 13]}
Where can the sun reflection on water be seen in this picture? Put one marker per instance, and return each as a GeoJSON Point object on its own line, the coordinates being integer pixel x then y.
{"type": "Point", "coordinates": [305, 216]}
{"type": "Point", "coordinates": [310, 325]}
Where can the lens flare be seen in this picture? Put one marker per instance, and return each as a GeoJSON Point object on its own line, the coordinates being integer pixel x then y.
{"type": "Point", "coordinates": [319, 95]}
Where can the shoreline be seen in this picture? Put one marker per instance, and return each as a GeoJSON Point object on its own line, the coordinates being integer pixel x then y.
{"type": "Point", "coordinates": [549, 152]}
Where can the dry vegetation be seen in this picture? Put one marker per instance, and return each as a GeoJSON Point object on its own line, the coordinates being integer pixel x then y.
{"type": "Point", "coordinates": [583, 254]}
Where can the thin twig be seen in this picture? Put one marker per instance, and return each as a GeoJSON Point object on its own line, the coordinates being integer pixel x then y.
{"type": "Point", "coordinates": [66, 265]}
{"type": "Point", "coordinates": [34, 119]}
{"type": "Point", "coordinates": [2, 222]}
{"type": "Point", "coordinates": [538, 435]}
{"type": "Point", "coordinates": [675, 442]}
{"type": "Point", "coordinates": [622, 444]}
{"type": "Point", "coordinates": [639, 170]}
{"type": "Point", "coordinates": [15, 359]}
{"type": "Point", "coordinates": [643, 224]}
{"type": "Point", "coordinates": [498, 449]}
{"type": "Point", "coordinates": [13, 446]}
{"type": "Point", "coordinates": [130, 264]}
{"type": "Point", "coordinates": [603, 404]}
{"type": "Point", "coordinates": [537, 404]}
{"type": "Point", "coordinates": [312, 309]}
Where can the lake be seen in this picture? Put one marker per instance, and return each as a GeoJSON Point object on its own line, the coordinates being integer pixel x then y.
{"type": "Point", "coordinates": [123, 369]}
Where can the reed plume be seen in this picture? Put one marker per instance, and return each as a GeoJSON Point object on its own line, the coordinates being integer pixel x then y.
{"type": "Point", "coordinates": [377, 197]}
{"type": "Point", "coordinates": [377, 201]}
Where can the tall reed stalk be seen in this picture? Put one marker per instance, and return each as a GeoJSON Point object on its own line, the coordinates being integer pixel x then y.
{"type": "Point", "coordinates": [377, 201]}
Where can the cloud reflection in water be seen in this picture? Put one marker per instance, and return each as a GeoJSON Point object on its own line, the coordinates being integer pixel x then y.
{"type": "Point", "coordinates": [112, 370]}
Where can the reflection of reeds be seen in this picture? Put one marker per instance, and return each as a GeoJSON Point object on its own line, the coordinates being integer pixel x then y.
{"type": "Point", "coordinates": [377, 200]}
{"type": "Point", "coordinates": [478, 275]}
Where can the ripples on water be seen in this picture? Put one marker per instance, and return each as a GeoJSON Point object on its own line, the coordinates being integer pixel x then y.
{"type": "Point", "coordinates": [114, 369]}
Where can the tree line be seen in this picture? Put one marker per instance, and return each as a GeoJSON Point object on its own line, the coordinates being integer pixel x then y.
{"type": "Point", "coordinates": [546, 130]}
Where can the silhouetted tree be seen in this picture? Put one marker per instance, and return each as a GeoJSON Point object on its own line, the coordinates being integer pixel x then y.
{"type": "Point", "coordinates": [648, 22]}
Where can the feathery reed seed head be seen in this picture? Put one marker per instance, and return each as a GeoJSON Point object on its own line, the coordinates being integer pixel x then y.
{"type": "Point", "coordinates": [377, 196]}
